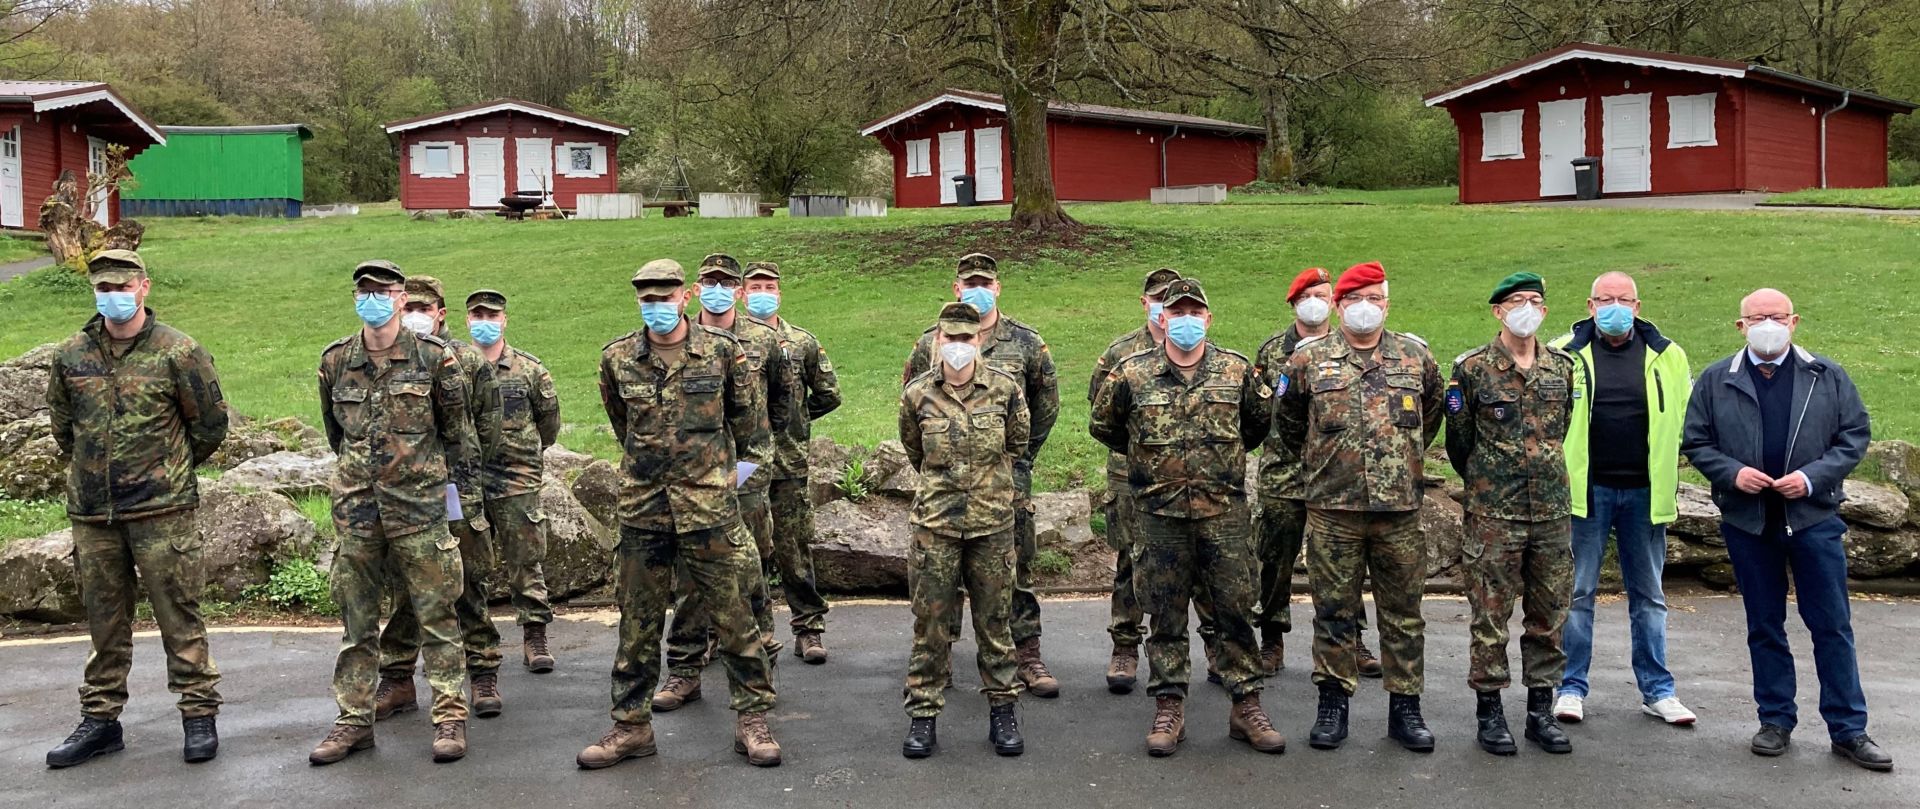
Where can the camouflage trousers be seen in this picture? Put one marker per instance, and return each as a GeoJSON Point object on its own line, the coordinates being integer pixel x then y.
{"type": "Point", "coordinates": [1345, 548]}
{"type": "Point", "coordinates": [1280, 532]}
{"type": "Point", "coordinates": [692, 623]}
{"type": "Point", "coordinates": [165, 551]}
{"type": "Point", "coordinates": [939, 569]}
{"type": "Point", "coordinates": [793, 555]}
{"type": "Point", "coordinates": [400, 639]}
{"type": "Point", "coordinates": [1025, 617]}
{"type": "Point", "coordinates": [520, 535]}
{"type": "Point", "coordinates": [721, 564]}
{"type": "Point", "coordinates": [1173, 559]}
{"type": "Point", "coordinates": [1127, 622]}
{"type": "Point", "coordinates": [1506, 560]}
{"type": "Point", "coordinates": [429, 565]}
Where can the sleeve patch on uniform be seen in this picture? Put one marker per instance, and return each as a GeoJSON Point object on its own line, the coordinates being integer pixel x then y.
{"type": "Point", "coordinates": [1280, 387]}
{"type": "Point", "coordinates": [1456, 401]}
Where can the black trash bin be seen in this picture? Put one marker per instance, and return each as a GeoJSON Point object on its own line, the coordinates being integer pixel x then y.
{"type": "Point", "coordinates": [1586, 177]}
{"type": "Point", "coordinates": [963, 193]}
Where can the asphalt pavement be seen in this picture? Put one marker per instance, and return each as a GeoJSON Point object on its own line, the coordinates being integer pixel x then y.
{"type": "Point", "coordinates": [841, 725]}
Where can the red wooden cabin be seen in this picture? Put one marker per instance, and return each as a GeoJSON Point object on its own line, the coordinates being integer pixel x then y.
{"type": "Point", "coordinates": [47, 127]}
{"type": "Point", "coordinates": [1099, 153]}
{"type": "Point", "coordinates": [471, 156]}
{"type": "Point", "coordinates": [1661, 123]}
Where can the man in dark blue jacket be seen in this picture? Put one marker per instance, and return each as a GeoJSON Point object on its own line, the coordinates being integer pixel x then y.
{"type": "Point", "coordinates": [1777, 429]}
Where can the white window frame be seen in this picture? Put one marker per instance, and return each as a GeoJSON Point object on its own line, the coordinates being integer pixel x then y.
{"type": "Point", "coordinates": [1491, 122]}
{"type": "Point", "coordinates": [454, 157]}
{"type": "Point", "coordinates": [596, 159]}
{"type": "Point", "coordinates": [1696, 132]}
{"type": "Point", "coordinates": [920, 158]}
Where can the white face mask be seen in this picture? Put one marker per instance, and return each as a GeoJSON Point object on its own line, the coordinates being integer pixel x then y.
{"type": "Point", "coordinates": [1312, 311]}
{"type": "Point", "coordinates": [417, 322]}
{"type": "Point", "coordinates": [1524, 320]}
{"type": "Point", "coordinates": [957, 355]}
{"type": "Point", "coordinates": [1365, 317]}
{"type": "Point", "coordinates": [1768, 338]}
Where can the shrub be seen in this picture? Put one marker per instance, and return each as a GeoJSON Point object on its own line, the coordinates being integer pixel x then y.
{"type": "Point", "coordinates": [1050, 562]}
{"type": "Point", "coordinates": [853, 480]}
{"type": "Point", "coordinates": [297, 585]}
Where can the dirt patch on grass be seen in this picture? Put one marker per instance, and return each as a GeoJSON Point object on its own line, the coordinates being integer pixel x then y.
{"type": "Point", "coordinates": [903, 247]}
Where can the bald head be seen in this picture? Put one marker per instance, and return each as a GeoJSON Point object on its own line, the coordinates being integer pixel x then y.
{"type": "Point", "coordinates": [1767, 301]}
{"type": "Point", "coordinates": [1615, 284]}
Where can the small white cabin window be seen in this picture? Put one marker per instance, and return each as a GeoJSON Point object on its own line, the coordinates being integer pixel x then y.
{"type": "Point", "coordinates": [439, 159]}
{"type": "Point", "coordinates": [1690, 121]}
{"type": "Point", "coordinates": [920, 158]}
{"type": "Point", "coordinates": [1501, 135]}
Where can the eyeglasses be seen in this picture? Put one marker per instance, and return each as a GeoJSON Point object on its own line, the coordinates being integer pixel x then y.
{"type": "Point", "coordinates": [365, 294]}
{"type": "Point", "coordinates": [724, 284]}
{"type": "Point", "coordinates": [1522, 301]}
{"type": "Point", "coordinates": [1351, 298]}
{"type": "Point", "coordinates": [1610, 300]}
{"type": "Point", "coordinates": [1755, 320]}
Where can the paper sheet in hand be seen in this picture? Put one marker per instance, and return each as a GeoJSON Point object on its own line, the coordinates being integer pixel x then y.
{"type": "Point", "coordinates": [453, 503]}
{"type": "Point", "coordinates": [744, 471]}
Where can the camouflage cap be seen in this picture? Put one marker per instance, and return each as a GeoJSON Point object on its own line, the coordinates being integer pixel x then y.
{"type": "Point", "coordinates": [381, 270]}
{"type": "Point", "coordinates": [959, 319]}
{"type": "Point", "coordinates": [115, 267]}
{"type": "Point", "coordinates": [719, 264]}
{"type": "Point", "coordinates": [660, 275]}
{"type": "Point", "coordinates": [425, 289]}
{"type": "Point", "coordinates": [763, 269]}
{"type": "Point", "coordinates": [1185, 289]}
{"type": "Point", "coordinates": [1158, 280]}
{"type": "Point", "coordinates": [487, 299]}
{"type": "Point", "coordinates": [979, 264]}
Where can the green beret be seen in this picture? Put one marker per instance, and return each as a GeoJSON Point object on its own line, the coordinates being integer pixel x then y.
{"type": "Point", "coordinates": [1518, 282]}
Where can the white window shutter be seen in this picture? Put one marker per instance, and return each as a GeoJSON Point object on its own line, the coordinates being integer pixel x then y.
{"type": "Point", "coordinates": [562, 166]}
{"type": "Point", "coordinates": [417, 158]}
{"type": "Point", "coordinates": [599, 160]}
{"type": "Point", "coordinates": [457, 159]}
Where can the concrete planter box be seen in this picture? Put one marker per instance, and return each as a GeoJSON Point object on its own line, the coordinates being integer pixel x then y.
{"type": "Point", "coordinates": [866, 206]}
{"type": "Point", "coordinates": [817, 205]}
{"type": "Point", "coordinates": [1208, 194]}
{"type": "Point", "coordinates": [609, 206]}
{"type": "Point", "coordinates": [729, 206]}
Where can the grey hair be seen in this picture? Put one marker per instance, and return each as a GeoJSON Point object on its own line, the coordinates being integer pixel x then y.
{"type": "Point", "coordinates": [1595, 289]}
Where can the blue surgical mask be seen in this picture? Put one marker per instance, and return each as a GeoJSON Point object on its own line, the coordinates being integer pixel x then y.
{"type": "Point", "coordinates": [980, 298]}
{"type": "Point", "coordinates": [1187, 331]}
{"type": "Point", "coordinates": [1153, 311]}
{"type": "Point", "coordinates": [1614, 319]}
{"type": "Point", "coordinates": [485, 332]}
{"type": "Point", "coordinates": [761, 304]}
{"type": "Point", "coordinates": [662, 317]}
{"type": "Point", "coordinates": [375, 310]}
{"type": "Point", "coordinates": [716, 299]}
{"type": "Point", "coordinates": [118, 307]}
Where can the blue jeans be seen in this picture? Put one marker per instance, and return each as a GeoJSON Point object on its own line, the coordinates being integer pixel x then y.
{"type": "Point", "coordinates": [1627, 514]}
{"type": "Point", "coordinates": [1818, 562]}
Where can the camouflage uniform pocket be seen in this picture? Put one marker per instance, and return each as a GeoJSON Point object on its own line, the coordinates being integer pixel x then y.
{"type": "Point", "coordinates": [513, 406]}
{"type": "Point", "coordinates": [936, 443]}
{"type": "Point", "coordinates": [350, 409]}
{"type": "Point", "coordinates": [989, 435]}
{"type": "Point", "coordinates": [412, 407]}
{"type": "Point", "coordinates": [1403, 390]}
{"type": "Point", "coordinates": [704, 408]}
{"type": "Point", "coordinates": [446, 542]}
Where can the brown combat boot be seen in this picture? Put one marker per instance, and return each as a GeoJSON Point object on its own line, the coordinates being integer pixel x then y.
{"type": "Point", "coordinates": [1273, 655]}
{"type": "Point", "coordinates": [1249, 724]}
{"type": "Point", "coordinates": [1169, 726]}
{"type": "Point", "coordinates": [677, 692]}
{"type": "Point", "coordinates": [341, 741]}
{"type": "Point", "coordinates": [449, 741]}
{"type": "Point", "coordinates": [394, 696]}
{"type": "Point", "coordinates": [1033, 670]}
{"type": "Point", "coordinates": [1123, 669]}
{"type": "Point", "coordinates": [1369, 665]}
{"type": "Point", "coordinates": [753, 739]}
{"type": "Point", "coordinates": [807, 646]}
{"type": "Point", "coordinates": [533, 648]}
{"type": "Point", "coordinates": [486, 696]}
{"type": "Point", "coordinates": [626, 740]}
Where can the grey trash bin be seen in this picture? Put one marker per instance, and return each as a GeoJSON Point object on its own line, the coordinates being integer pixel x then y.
{"type": "Point", "coordinates": [1586, 177]}
{"type": "Point", "coordinates": [963, 193]}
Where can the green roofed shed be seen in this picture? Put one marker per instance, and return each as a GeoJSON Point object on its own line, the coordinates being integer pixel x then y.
{"type": "Point", "coordinates": [220, 170]}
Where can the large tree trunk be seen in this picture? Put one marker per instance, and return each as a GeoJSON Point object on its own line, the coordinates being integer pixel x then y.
{"type": "Point", "coordinates": [1276, 161]}
{"type": "Point", "coordinates": [1030, 30]}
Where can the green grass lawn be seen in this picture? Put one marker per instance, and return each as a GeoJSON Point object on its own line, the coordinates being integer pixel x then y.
{"type": "Point", "coordinates": [17, 249]}
{"type": "Point", "coordinates": [267, 295]}
{"type": "Point", "coordinates": [1443, 195]}
{"type": "Point", "coordinates": [1898, 198]}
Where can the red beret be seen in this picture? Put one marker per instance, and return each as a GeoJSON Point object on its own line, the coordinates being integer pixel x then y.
{"type": "Point", "coordinates": [1307, 278]}
{"type": "Point", "coordinates": [1357, 276]}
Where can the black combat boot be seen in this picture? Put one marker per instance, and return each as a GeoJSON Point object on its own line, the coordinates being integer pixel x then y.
{"type": "Point", "coordinates": [1330, 722]}
{"type": "Point", "coordinates": [921, 739]}
{"type": "Point", "coordinates": [1542, 728]}
{"type": "Point", "coordinates": [1003, 730]}
{"type": "Point", "coordinates": [1495, 738]}
{"type": "Point", "coordinates": [1406, 726]}
{"type": "Point", "coordinates": [94, 737]}
{"type": "Point", "coordinates": [203, 741]}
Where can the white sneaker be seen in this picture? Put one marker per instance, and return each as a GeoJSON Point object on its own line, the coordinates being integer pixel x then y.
{"type": "Point", "coordinates": [1670, 711]}
{"type": "Point", "coordinates": [1569, 708]}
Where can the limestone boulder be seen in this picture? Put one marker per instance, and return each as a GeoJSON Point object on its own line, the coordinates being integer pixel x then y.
{"type": "Point", "coordinates": [580, 547]}
{"type": "Point", "coordinates": [300, 436]}
{"type": "Point", "coordinates": [1443, 521]}
{"type": "Point", "coordinates": [23, 384]}
{"type": "Point", "coordinates": [826, 461]}
{"type": "Point", "coordinates": [37, 581]}
{"type": "Point", "coordinates": [1899, 463]}
{"type": "Point", "coordinates": [597, 489]}
{"type": "Point", "coordinates": [31, 467]}
{"type": "Point", "coordinates": [294, 474]}
{"type": "Point", "coordinates": [247, 439]}
{"type": "Point", "coordinates": [1063, 521]}
{"type": "Point", "coordinates": [1873, 553]}
{"type": "Point", "coordinates": [889, 474]}
{"type": "Point", "coordinates": [245, 533]}
{"type": "Point", "coordinates": [861, 547]}
{"type": "Point", "coordinates": [1718, 576]}
{"type": "Point", "coordinates": [1874, 505]}
{"type": "Point", "coordinates": [1690, 551]}
{"type": "Point", "coordinates": [1699, 517]}
{"type": "Point", "coordinates": [559, 462]}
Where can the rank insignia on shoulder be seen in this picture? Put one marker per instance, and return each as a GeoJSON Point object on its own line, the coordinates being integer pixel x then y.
{"type": "Point", "coordinates": [1456, 401]}
{"type": "Point", "coordinates": [1280, 388]}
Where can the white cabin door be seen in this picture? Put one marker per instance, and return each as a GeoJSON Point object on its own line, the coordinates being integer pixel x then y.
{"type": "Point", "coordinates": [11, 199]}
{"type": "Point", "coordinates": [533, 160]}
{"type": "Point", "coordinates": [1627, 154]}
{"type": "Point", "coordinates": [1563, 137]}
{"type": "Point", "coordinates": [953, 163]}
{"type": "Point", "coordinates": [486, 172]}
{"type": "Point", "coordinates": [97, 167]}
{"type": "Point", "coordinates": [986, 164]}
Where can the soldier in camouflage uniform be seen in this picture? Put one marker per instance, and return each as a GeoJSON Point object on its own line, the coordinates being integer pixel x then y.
{"type": "Point", "coordinates": [1359, 408]}
{"type": "Point", "coordinates": [1508, 405]}
{"type": "Point", "coordinates": [529, 423]}
{"type": "Point", "coordinates": [1186, 414]}
{"type": "Point", "coordinates": [962, 425]}
{"type": "Point", "coordinates": [1016, 348]}
{"type": "Point", "coordinates": [686, 408]}
{"type": "Point", "coordinates": [395, 409]}
{"type": "Point", "coordinates": [426, 314]}
{"type": "Point", "coordinates": [813, 392]}
{"type": "Point", "coordinates": [689, 640]}
{"type": "Point", "coordinates": [135, 406]}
